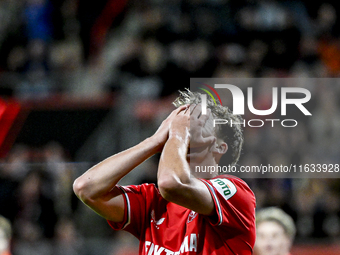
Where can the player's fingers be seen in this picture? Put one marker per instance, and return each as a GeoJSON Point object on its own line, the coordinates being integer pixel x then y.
{"type": "Point", "coordinates": [177, 111]}
{"type": "Point", "coordinates": [203, 142]}
{"type": "Point", "coordinates": [205, 117]}
{"type": "Point", "coordinates": [184, 111]}
{"type": "Point", "coordinates": [209, 140]}
{"type": "Point", "coordinates": [192, 107]}
{"type": "Point", "coordinates": [181, 108]}
{"type": "Point", "coordinates": [196, 111]}
{"type": "Point", "coordinates": [187, 108]}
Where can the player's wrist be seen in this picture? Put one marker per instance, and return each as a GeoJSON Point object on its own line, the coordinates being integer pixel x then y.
{"type": "Point", "coordinates": [181, 137]}
{"type": "Point", "coordinates": [156, 144]}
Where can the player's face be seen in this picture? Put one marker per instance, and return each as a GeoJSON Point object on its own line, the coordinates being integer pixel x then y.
{"type": "Point", "coordinates": [202, 155]}
{"type": "Point", "coordinates": [200, 151]}
{"type": "Point", "coordinates": [271, 239]}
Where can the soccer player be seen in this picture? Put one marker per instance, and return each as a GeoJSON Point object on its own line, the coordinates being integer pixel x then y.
{"type": "Point", "coordinates": [5, 236]}
{"type": "Point", "coordinates": [191, 211]}
{"type": "Point", "coordinates": [275, 232]}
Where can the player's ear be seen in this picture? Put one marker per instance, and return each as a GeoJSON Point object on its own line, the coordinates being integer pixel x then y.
{"type": "Point", "coordinates": [220, 147]}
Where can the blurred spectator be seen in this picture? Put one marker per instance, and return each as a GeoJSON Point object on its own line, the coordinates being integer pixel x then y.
{"type": "Point", "coordinates": [17, 163]}
{"type": "Point", "coordinates": [125, 245]}
{"type": "Point", "coordinates": [12, 171]}
{"type": "Point", "coordinates": [275, 232]}
{"type": "Point", "coordinates": [36, 206]}
{"type": "Point", "coordinates": [61, 174]}
{"type": "Point", "coordinates": [37, 19]}
{"type": "Point", "coordinates": [5, 236]}
{"type": "Point", "coordinates": [8, 187]}
{"type": "Point", "coordinates": [67, 239]}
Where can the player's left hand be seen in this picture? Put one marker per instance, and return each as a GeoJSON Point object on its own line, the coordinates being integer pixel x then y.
{"type": "Point", "coordinates": [193, 127]}
{"type": "Point", "coordinates": [201, 127]}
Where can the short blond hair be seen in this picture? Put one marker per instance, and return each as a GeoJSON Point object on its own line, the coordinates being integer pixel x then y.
{"type": "Point", "coordinates": [279, 216]}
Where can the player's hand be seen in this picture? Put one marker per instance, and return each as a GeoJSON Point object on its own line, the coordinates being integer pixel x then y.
{"type": "Point", "coordinates": [162, 133]}
{"type": "Point", "coordinates": [201, 127]}
{"type": "Point", "coordinates": [191, 125]}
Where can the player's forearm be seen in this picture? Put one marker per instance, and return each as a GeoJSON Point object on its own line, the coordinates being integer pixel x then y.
{"type": "Point", "coordinates": [101, 178]}
{"type": "Point", "coordinates": [175, 181]}
{"type": "Point", "coordinates": [174, 170]}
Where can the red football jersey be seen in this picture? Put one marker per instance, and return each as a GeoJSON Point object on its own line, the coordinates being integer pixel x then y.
{"type": "Point", "coordinates": [165, 228]}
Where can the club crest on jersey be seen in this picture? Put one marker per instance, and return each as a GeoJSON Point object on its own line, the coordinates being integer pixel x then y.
{"type": "Point", "coordinates": [191, 216]}
{"type": "Point", "coordinates": [225, 187]}
{"type": "Point", "coordinates": [156, 222]}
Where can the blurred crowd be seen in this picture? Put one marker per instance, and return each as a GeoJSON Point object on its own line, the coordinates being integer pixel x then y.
{"type": "Point", "coordinates": [46, 45]}
{"type": "Point", "coordinates": [37, 198]}
{"type": "Point", "coordinates": [149, 50]}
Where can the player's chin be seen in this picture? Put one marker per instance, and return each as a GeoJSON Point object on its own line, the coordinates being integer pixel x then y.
{"type": "Point", "coordinates": [197, 149]}
{"type": "Point", "coordinates": [195, 156]}
{"type": "Point", "coordinates": [191, 157]}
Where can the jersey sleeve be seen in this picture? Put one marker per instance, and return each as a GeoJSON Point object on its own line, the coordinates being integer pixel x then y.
{"type": "Point", "coordinates": [234, 204]}
{"type": "Point", "coordinates": [137, 199]}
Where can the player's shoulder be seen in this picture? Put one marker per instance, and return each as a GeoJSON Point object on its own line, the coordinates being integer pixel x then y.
{"type": "Point", "coordinates": [229, 185]}
{"type": "Point", "coordinates": [231, 178]}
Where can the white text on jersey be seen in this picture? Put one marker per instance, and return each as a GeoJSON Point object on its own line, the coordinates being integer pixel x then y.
{"type": "Point", "coordinates": [187, 245]}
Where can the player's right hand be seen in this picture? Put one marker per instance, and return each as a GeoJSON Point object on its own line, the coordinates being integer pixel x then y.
{"type": "Point", "coordinates": [161, 135]}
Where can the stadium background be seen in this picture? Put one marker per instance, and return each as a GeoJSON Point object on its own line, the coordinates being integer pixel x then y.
{"type": "Point", "coordinates": [82, 80]}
